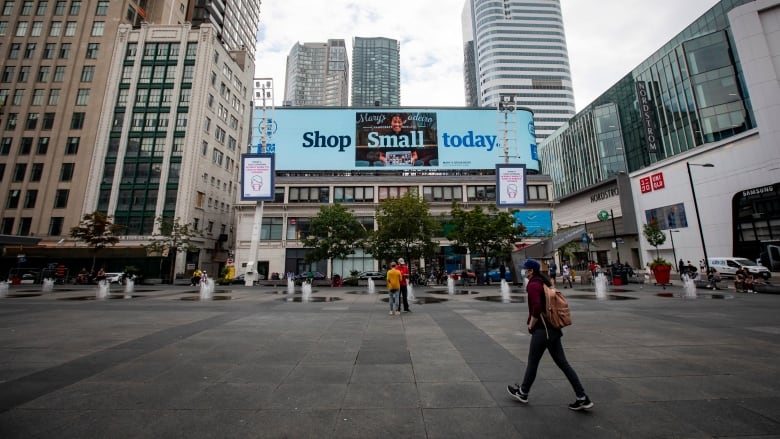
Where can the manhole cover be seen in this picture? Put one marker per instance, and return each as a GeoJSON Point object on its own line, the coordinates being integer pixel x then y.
{"type": "Point", "coordinates": [311, 299]}
{"type": "Point", "coordinates": [698, 296]}
{"type": "Point", "coordinates": [593, 297]}
{"type": "Point", "coordinates": [500, 299]}
{"type": "Point", "coordinates": [198, 298]}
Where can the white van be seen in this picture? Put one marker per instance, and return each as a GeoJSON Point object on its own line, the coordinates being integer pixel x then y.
{"type": "Point", "coordinates": [728, 266]}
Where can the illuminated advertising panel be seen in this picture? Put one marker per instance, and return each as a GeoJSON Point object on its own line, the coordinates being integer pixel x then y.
{"type": "Point", "coordinates": [538, 223]}
{"type": "Point", "coordinates": [257, 177]}
{"type": "Point", "coordinates": [401, 138]}
{"type": "Point", "coordinates": [510, 185]}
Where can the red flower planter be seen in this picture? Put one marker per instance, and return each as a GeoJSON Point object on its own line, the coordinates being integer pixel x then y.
{"type": "Point", "coordinates": [662, 274]}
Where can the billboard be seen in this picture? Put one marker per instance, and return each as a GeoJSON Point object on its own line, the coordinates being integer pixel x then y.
{"type": "Point", "coordinates": [396, 138]}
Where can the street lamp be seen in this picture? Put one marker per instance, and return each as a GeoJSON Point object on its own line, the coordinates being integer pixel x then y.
{"type": "Point", "coordinates": [674, 253]}
{"type": "Point", "coordinates": [696, 208]}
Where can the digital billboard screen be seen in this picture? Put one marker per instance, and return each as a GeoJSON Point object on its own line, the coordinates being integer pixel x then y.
{"type": "Point", "coordinates": [399, 138]}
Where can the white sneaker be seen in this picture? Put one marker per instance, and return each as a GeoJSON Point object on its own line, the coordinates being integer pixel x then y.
{"type": "Point", "coordinates": [392, 312]}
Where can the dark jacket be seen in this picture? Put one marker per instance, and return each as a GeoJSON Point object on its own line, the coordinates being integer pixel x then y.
{"type": "Point", "coordinates": [536, 304]}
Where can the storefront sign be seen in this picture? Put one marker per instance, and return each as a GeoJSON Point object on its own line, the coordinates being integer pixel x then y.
{"type": "Point", "coordinates": [646, 113]}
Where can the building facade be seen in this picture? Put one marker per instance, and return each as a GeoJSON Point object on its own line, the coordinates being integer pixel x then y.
{"type": "Point", "coordinates": [691, 103]}
{"type": "Point", "coordinates": [58, 153]}
{"type": "Point", "coordinates": [56, 58]}
{"type": "Point", "coordinates": [355, 157]}
{"type": "Point", "coordinates": [376, 72]}
{"type": "Point", "coordinates": [317, 75]}
{"type": "Point", "coordinates": [518, 49]}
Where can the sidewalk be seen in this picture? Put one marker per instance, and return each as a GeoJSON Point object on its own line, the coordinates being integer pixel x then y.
{"type": "Point", "coordinates": [257, 366]}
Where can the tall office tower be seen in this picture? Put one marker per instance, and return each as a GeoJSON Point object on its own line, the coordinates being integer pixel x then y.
{"type": "Point", "coordinates": [517, 50]}
{"type": "Point", "coordinates": [317, 75]}
{"type": "Point", "coordinates": [376, 72]}
{"type": "Point", "coordinates": [84, 100]}
{"type": "Point", "coordinates": [56, 57]}
{"type": "Point", "coordinates": [236, 21]}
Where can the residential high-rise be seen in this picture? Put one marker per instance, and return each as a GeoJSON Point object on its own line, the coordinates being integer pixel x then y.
{"type": "Point", "coordinates": [317, 75]}
{"type": "Point", "coordinates": [236, 21]}
{"type": "Point", "coordinates": [518, 49]}
{"type": "Point", "coordinates": [376, 72]}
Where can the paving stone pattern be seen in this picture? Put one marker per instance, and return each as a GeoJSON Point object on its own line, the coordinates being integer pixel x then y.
{"type": "Point", "coordinates": [256, 366]}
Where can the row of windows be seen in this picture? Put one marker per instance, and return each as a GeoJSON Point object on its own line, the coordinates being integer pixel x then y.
{"type": "Point", "coordinates": [49, 50]}
{"type": "Point", "coordinates": [28, 7]}
{"type": "Point", "coordinates": [36, 172]}
{"type": "Point", "coordinates": [76, 120]}
{"type": "Point", "coordinates": [31, 196]}
{"type": "Point", "coordinates": [25, 223]}
{"type": "Point", "coordinates": [56, 28]}
{"type": "Point", "coordinates": [41, 147]}
{"type": "Point", "coordinates": [365, 194]}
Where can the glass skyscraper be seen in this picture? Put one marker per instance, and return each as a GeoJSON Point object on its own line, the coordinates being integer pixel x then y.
{"type": "Point", "coordinates": [688, 93]}
{"type": "Point", "coordinates": [376, 72]}
{"type": "Point", "coordinates": [518, 49]}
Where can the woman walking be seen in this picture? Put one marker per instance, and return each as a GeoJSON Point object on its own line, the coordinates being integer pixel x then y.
{"type": "Point", "coordinates": [544, 337]}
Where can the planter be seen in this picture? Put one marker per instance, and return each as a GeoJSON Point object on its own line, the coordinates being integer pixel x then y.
{"type": "Point", "coordinates": [662, 274]}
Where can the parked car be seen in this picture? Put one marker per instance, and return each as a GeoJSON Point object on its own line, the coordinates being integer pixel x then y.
{"type": "Point", "coordinates": [371, 274]}
{"type": "Point", "coordinates": [464, 276]}
{"type": "Point", "coordinates": [495, 275]}
{"type": "Point", "coordinates": [113, 278]}
{"type": "Point", "coordinates": [728, 266]}
{"type": "Point", "coordinates": [238, 280]}
{"type": "Point", "coordinates": [310, 275]}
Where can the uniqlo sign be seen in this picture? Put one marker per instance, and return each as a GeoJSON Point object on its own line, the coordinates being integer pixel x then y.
{"type": "Point", "coordinates": [645, 185]}
{"type": "Point", "coordinates": [657, 180]}
{"type": "Point", "coordinates": [652, 183]}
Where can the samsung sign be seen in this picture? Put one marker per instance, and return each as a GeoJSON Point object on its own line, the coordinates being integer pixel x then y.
{"type": "Point", "coordinates": [402, 138]}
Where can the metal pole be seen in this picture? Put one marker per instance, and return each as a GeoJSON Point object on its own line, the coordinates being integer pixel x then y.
{"type": "Point", "coordinates": [587, 240]}
{"type": "Point", "coordinates": [674, 253]}
{"type": "Point", "coordinates": [698, 220]}
{"type": "Point", "coordinates": [614, 235]}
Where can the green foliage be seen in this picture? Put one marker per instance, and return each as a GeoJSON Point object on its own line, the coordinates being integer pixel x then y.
{"type": "Point", "coordinates": [566, 251]}
{"type": "Point", "coordinates": [334, 233]}
{"type": "Point", "coordinates": [491, 234]}
{"type": "Point", "coordinates": [654, 235]}
{"type": "Point", "coordinates": [172, 235]}
{"type": "Point", "coordinates": [405, 228]}
{"type": "Point", "coordinates": [660, 262]}
{"type": "Point", "coordinates": [98, 231]}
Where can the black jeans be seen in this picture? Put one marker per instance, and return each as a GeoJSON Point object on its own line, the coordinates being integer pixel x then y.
{"type": "Point", "coordinates": [540, 342]}
{"type": "Point", "coordinates": [404, 297]}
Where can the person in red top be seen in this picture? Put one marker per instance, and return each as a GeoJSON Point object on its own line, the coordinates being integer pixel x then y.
{"type": "Point", "coordinates": [404, 269]}
{"type": "Point", "coordinates": [544, 337]}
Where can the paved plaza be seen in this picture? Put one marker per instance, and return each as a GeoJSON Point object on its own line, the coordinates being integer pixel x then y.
{"type": "Point", "coordinates": [655, 363]}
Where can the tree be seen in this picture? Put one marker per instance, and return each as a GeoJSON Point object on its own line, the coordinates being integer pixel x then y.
{"type": "Point", "coordinates": [405, 228]}
{"type": "Point", "coordinates": [490, 234]}
{"type": "Point", "coordinates": [654, 235]}
{"type": "Point", "coordinates": [335, 233]}
{"type": "Point", "coordinates": [98, 231]}
{"type": "Point", "coordinates": [172, 237]}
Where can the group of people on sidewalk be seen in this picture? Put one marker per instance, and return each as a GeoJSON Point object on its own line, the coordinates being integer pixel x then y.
{"type": "Point", "coordinates": [398, 287]}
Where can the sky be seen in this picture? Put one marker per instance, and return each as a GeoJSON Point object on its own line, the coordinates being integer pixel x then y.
{"type": "Point", "coordinates": [606, 39]}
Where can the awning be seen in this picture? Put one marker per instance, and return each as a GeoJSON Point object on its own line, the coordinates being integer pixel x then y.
{"type": "Point", "coordinates": [18, 240]}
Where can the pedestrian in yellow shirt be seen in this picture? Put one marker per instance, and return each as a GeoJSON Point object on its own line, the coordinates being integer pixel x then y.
{"type": "Point", "coordinates": [394, 288]}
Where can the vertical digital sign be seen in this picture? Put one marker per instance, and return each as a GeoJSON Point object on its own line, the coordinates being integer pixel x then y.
{"type": "Point", "coordinates": [510, 185]}
{"type": "Point", "coordinates": [257, 177]}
